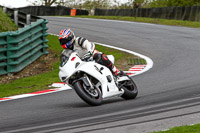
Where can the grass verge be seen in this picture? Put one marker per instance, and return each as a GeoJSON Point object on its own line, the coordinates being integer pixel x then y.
{"type": "Point", "coordinates": [5, 23]}
{"type": "Point", "coordinates": [43, 80]}
{"type": "Point", "coordinates": [191, 24]}
{"type": "Point", "coordinates": [183, 129]}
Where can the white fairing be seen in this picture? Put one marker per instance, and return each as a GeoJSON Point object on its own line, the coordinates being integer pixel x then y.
{"type": "Point", "coordinates": [96, 70]}
{"type": "Point", "coordinates": [69, 68]}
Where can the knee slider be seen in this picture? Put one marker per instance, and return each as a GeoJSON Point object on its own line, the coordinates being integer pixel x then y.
{"type": "Point", "coordinates": [103, 60]}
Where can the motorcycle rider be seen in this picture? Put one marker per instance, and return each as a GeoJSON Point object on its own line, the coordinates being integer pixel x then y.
{"type": "Point", "coordinates": [68, 40]}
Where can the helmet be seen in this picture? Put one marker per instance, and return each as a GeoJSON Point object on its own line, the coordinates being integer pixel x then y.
{"type": "Point", "coordinates": [67, 38]}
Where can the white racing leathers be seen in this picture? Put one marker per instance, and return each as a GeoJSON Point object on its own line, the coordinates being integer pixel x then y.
{"type": "Point", "coordinates": [83, 46]}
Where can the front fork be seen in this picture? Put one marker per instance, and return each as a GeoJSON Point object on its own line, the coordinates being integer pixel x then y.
{"type": "Point", "coordinates": [89, 87]}
{"type": "Point", "coordinates": [86, 81]}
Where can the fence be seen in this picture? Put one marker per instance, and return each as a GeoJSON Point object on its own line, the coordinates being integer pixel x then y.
{"type": "Point", "coordinates": [50, 11]}
{"type": "Point", "coordinates": [20, 18]}
{"type": "Point", "coordinates": [191, 13]}
{"type": "Point", "coordinates": [20, 48]}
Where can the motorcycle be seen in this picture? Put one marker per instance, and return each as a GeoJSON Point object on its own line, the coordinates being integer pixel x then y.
{"type": "Point", "coordinates": [94, 82]}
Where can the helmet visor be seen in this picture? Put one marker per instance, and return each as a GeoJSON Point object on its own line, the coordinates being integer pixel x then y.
{"type": "Point", "coordinates": [65, 40]}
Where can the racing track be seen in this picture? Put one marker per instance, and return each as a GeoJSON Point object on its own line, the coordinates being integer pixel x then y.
{"type": "Point", "coordinates": [169, 93]}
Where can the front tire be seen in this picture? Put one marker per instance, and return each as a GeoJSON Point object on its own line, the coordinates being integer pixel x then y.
{"type": "Point", "coordinates": [94, 99]}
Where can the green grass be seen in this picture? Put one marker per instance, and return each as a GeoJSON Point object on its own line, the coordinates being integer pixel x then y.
{"type": "Point", "coordinates": [183, 129]}
{"type": "Point", "coordinates": [5, 23]}
{"type": "Point", "coordinates": [191, 24]}
{"type": "Point", "coordinates": [30, 84]}
{"type": "Point", "coordinates": [42, 81]}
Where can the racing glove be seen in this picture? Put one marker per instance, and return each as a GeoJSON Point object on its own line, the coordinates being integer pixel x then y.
{"type": "Point", "coordinates": [87, 56]}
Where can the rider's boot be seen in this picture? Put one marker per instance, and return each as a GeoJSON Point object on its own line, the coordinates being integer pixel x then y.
{"type": "Point", "coordinates": [116, 71]}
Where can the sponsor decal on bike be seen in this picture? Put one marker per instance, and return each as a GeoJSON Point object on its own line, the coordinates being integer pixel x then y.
{"type": "Point", "coordinates": [97, 69]}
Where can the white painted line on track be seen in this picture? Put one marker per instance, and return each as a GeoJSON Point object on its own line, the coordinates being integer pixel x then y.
{"type": "Point", "coordinates": [61, 86]}
{"type": "Point", "coordinates": [35, 93]}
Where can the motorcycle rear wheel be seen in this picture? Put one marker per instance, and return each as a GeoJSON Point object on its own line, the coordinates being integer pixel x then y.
{"type": "Point", "coordinates": [130, 89]}
{"type": "Point", "coordinates": [92, 99]}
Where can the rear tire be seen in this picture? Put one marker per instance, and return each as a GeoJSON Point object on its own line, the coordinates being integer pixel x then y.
{"type": "Point", "coordinates": [96, 100]}
{"type": "Point", "coordinates": [130, 89]}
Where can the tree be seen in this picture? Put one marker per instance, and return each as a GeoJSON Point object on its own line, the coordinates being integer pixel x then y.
{"type": "Point", "coordinates": [92, 4]}
{"type": "Point", "coordinates": [88, 4]}
{"type": "Point", "coordinates": [136, 3]}
{"type": "Point", "coordinates": [158, 3]}
{"type": "Point", "coordinates": [49, 2]}
{"type": "Point", "coordinates": [168, 3]}
{"type": "Point", "coordinates": [183, 2]}
{"type": "Point", "coordinates": [46, 2]}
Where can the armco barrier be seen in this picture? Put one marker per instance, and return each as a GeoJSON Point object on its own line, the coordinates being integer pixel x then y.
{"type": "Point", "coordinates": [20, 48]}
{"type": "Point", "coordinates": [20, 18]}
{"type": "Point", "coordinates": [50, 10]}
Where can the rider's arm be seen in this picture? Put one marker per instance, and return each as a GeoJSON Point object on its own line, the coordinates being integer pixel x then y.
{"type": "Point", "coordinates": [84, 43]}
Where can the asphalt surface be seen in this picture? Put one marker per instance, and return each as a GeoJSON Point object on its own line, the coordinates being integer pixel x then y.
{"type": "Point", "coordinates": [169, 93]}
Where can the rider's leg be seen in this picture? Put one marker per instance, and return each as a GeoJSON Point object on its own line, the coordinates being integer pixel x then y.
{"type": "Point", "coordinates": [103, 60]}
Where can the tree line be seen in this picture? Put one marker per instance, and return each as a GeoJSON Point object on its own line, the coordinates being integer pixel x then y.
{"type": "Point", "coordinates": [115, 4]}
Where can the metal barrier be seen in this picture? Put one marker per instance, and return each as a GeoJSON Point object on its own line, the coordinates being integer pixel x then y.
{"type": "Point", "coordinates": [20, 48]}
{"type": "Point", "coordinates": [50, 10]}
{"type": "Point", "coordinates": [20, 18]}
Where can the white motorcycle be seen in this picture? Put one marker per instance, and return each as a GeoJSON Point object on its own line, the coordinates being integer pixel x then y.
{"type": "Point", "coordinates": [94, 82]}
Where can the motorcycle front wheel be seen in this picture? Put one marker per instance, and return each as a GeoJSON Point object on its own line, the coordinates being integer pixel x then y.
{"type": "Point", "coordinates": [91, 96]}
{"type": "Point", "coordinates": [130, 89]}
